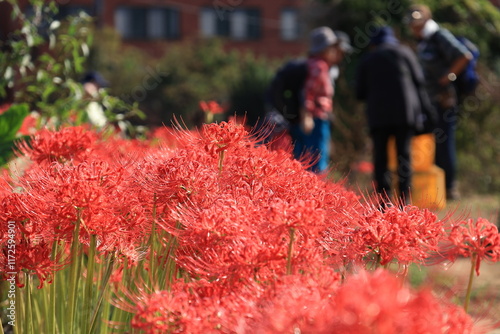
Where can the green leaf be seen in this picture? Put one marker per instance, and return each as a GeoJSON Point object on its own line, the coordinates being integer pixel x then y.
{"type": "Point", "coordinates": [7, 149]}
{"type": "Point", "coordinates": [11, 121]}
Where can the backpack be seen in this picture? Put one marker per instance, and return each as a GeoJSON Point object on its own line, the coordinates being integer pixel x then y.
{"type": "Point", "coordinates": [285, 91]}
{"type": "Point", "coordinates": [468, 80]}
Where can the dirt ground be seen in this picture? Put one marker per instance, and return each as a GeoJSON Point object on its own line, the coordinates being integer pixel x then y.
{"type": "Point", "coordinates": [485, 300]}
{"type": "Point", "coordinates": [486, 288]}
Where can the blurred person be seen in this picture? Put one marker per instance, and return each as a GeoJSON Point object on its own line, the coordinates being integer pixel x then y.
{"type": "Point", "coordinates": [92, 82]}
{"type": "Point", "coordinates": [443, 58]}
{"type": "Point", "coordinates": [391, 82]}
{"type": "Point", "coordinates": [299, 99]}
{"type": "Point", "coordinates": [345, 48]}
{"type": "Point", "coordinates": [312, 133]}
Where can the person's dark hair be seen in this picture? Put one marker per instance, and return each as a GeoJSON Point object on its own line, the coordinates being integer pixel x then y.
{"type": "Point", "coordinates": [383, 35]}
{"type": "Point", "coordinates": [96, 77]}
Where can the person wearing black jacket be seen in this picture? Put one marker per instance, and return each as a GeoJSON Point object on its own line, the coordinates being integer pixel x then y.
{"type": "Point", "coordinates": [443, 58]}
{"type": "Point", "coordinates": [391, 83]}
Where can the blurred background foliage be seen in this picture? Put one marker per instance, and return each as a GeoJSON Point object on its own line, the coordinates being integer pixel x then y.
{"type": "Point", "coordinates": [44, 61]}
{"type": "Point", "coordinates": [173, 85]}
{"type": "Point", "coordinates": [203, 69]}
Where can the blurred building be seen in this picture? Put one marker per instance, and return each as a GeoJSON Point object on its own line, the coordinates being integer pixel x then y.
{"type": "Point", "coordinates": [267, 28]}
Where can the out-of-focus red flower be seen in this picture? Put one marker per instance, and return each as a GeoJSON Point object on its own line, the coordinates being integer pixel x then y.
{"type": "Point", "coordinates": [365, 303]}
{"type": "Point", "coordinates": [364, 167]}
{"type": "Point", "coordinates": [300, 303]}
{"type": "Point", "coordinates": [4, 108]}
{"type": "Point", "coordinates": [211, 107]}
{"type": "Point", "coordinates": [282, 141]}
{"type": "Point", "coordinates": [29, 125]}
{"type": "Point", "coordinates": [480, 238]}
{"type": "Point", "coordinates": [192, 307]}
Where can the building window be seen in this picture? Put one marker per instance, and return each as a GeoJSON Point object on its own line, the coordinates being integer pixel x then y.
{"type": "Point", "coordinates": [239, 24]}
{"type": "Point", "coordinates": [289, 24]}
{"type": "Point", "coordinates": [147, 22]}
{"type": "Point", "coordinates": [208, 23]}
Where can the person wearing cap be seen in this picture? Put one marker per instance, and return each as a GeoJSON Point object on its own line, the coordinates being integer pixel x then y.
{"type": "Point", "coordinates": [312, 133]}
{"type": "Point", "coordinates": [388, 79]}
{"type": "Point", "coordinates": [345, 48]}
{"type": "Point", "coordinates": [443, 58]}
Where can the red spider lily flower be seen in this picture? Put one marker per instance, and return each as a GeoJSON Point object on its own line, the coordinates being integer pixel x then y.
{"type": "Point", "coordinates": [238, 119]}
{"type": "Point", "coordinates": [163, 136]}
{"type": "Point", "coordinates": [221, 137]}
{"type": "Point", "coordinates": [364, 167]}
{"type": "Point", "coordinates": [240, 224]}
{"type": "Point", "coordinates": [369, 303]}
{"type": "Point", "coordinates": [72, 143]}
{"type": "Point", "coordinates": [29, 125]}
{"type": "Point", "coordinates": [33, 250]}
{"type": "Point", "coordinates": [223, 240]}
{"type": "Point", "coordinates": [406, 235]}
{"type": "Point", "coordinates": [211, 107]}
{"type": "Point", "coordinates": [480, 238]}
{"type": "Point", "coordinates": [35, 258]}
{"type": "Point", "coordinates": [4, 107]}
{"type": "Point", "coordinates": [425, 313]}
{"type": "Point", "coordinates": [92, 193]}
{"type": "Point", "coordinates": [380, 303]}
{"type": "Point", "coordinates": [282, 141]}
{"type": "Point", "coordinates": [193, 307]}
{"type": "Point", "coordinates": [296, 303]}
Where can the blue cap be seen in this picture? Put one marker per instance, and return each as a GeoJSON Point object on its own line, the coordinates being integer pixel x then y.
{"type": "Point", "coordinates": [96, 77]}
{"type": "Point", "coordinates": [383, 35]}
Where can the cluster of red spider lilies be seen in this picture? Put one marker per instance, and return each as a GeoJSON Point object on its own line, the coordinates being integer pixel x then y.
{"type": "Point", "coordinates": [211, 232]}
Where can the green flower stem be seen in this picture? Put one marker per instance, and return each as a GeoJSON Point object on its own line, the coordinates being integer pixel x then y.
{"type": "Point", "coordinates": [43, 312]}
{"type": "Point", "coordinates": [170, 265]}
{"type": "Point", "coordinates": [60, 300]}
{"type": "Point", "coordinates": [19, 309]}
{"type": "Point", "coordinates": [120, 316]}
{"type": "Point", "coordinates": [471, 278]}
{"type": "Point", "coordinates": [102, 292]}
{"type": "Point", "coordinates": [37, 312]}
{"type": "Point", "coordinates": [105, 314]}
{"type": "Point", "coordinates": [209, 117]}
{"type": "Point", "coordinates": [51, 316]}
{"type": "Point", "coordinates": [129, 275]}
{"type": "Point", "coordinates": [290, 251]}
{"type": "Point", "coordinates": [28, 308]}
{"type": "Point", "coordinates": [74, 275]}
{"type": "Point", "coordinates": [87, 295]}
